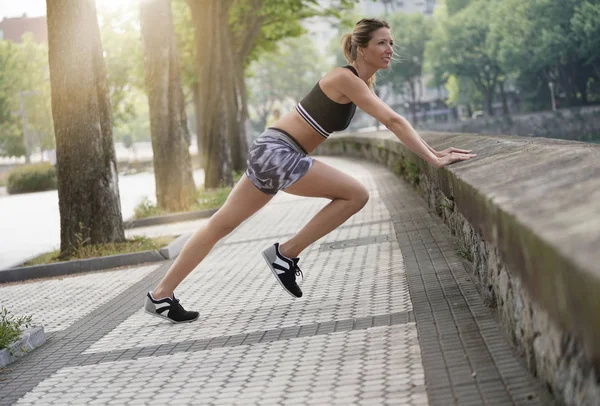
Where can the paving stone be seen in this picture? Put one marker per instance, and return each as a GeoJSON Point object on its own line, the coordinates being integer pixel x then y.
{"type": "Point", "coordinates": [86, 293]}
{"type": "Point", "coordinates": [398, 338]}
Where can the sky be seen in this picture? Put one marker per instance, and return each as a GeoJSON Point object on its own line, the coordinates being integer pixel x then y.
{"type": "Point", "coordinates": [36, 8]}
{"type": "Point", "coordinates": [16, 8]}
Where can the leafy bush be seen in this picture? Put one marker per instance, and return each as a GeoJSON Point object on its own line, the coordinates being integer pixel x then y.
{"type": "Point", "coordinates": [10, 327]}
{"type": "Point", "coordinates": [32, 178]}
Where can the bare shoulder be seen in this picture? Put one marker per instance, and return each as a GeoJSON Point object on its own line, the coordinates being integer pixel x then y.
{"type": "Point", "coordinates": [336, 82]}
{"type": "Point", "coordinates": [340, 74]}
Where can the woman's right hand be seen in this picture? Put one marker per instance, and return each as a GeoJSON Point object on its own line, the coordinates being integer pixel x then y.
{"type": "Point", "coordinates": [453, 157]}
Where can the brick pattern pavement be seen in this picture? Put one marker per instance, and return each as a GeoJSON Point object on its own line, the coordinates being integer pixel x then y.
{"type": "Point", "coordinates": [73, 295]}
{"type": "Point", "coordinates": [466, 357]}
{"type": "Point", "coordinates": [351, 340]}
{"type": "Point", "coordinates": [357, 367]}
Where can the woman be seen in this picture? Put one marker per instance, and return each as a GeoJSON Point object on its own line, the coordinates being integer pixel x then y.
{"type": "Point", "coordinates": [279, 161]}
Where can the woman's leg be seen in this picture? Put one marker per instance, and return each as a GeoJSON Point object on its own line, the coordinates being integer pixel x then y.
{"type": "Point", "coordinates": [347, 196]}
{"type": "Point", "coordinates": [243, 201]}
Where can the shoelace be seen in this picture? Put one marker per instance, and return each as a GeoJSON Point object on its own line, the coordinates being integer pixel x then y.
{"type": "Point", "coordinates": [297, 271]}
{"type": "Point", "coordinates": [176, 303]}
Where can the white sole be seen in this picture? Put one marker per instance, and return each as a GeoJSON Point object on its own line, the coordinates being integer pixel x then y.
{"type": "Point", "coordinates": [160, 316]}
{"type": "Point", "coordinates": [277, 276]}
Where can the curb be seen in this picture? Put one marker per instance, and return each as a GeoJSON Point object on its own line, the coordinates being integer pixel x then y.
{"type": "Point", "coordinates": [30, 339]}
{"type": "Point", "coordinates": [169, 218]}
{"type": "Point", "coordinates": [78, 266]}
{"type": "Point", "coordinates": [174, 248]}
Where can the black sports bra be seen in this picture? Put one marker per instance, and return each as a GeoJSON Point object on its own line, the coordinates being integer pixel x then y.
{"type": "Point", "coordinates": [323, 114]}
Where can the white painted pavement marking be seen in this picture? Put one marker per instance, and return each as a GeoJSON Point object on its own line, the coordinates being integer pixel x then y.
{"type": "Point", "coordinates": [380, 365]}
{"type": "Point", "coordinates": [58, 302]}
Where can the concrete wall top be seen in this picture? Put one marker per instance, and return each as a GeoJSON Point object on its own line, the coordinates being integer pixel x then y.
{"type": "Point", "coordinates": [536, 199]}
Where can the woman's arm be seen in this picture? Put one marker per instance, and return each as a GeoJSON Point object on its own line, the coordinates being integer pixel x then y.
{"type": "Point", "coordinates": [358, 92]}
{"type": "Point", "coordinates": [422, 140]}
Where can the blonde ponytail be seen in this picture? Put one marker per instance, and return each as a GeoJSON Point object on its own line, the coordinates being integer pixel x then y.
{"type": "Point", "coordinates": [347, 48]}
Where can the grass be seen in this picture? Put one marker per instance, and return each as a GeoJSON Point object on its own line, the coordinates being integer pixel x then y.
{"type": "Point", "coordinates": [11, 327]}
{"type": "Point", "coordinates": [135, 244]}
{"type": "Point", "coordinates": [463, 251]}
{"type": "Point", "coordinates": [205, 199]}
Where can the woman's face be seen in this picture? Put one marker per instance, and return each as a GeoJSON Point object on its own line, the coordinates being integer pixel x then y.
{"type": "Point", "coordinates": [380, 49]}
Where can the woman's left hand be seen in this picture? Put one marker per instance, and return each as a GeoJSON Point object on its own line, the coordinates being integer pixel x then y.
{"type": "Point", "coordinates": [447, 151]}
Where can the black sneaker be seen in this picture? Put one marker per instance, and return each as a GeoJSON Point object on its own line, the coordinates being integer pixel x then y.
{"type": "Point", "coordinates": [285, 270]}
{"type": "Point", "coordinates": [170, 309]}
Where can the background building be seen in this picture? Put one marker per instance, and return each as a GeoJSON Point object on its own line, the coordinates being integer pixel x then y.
{"type": "Point", "coordinates": [12, 29]}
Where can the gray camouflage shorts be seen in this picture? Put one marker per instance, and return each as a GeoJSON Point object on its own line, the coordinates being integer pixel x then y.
{"type": "Point", "coordinates": [276, 161]}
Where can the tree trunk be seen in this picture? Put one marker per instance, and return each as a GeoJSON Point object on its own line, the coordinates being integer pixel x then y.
{"type": "Point", "coordinates": [489, 102]}
{"type": "Point", "coordinates": [175, 189]}
{"type": "Point", "coordinates": [469, 110]}
{"type": "Point", "coordinates": [413, 101]}
{"type": "Point", "coordinates": [243, 40]}
{"type": "Point", "coordinates": [245, 136]}
{"type": "Point", "coordinates": [88, 189]}
{"type": "Point", "coordinates": [232, 103]}
{"type": "Point", "coordinates": [505, 110]}
{"type": "Point", "coordinates": [209, 16]}
{"type": "Point", "coordinates": [238, 138]}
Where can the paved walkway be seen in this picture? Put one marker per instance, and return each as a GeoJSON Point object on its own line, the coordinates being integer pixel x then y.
{"type": "Point", "coordinates": [389, 317]}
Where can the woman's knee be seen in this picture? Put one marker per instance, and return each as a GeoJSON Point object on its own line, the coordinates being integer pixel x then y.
{"type": "Point", "coordinates": [360, 197]}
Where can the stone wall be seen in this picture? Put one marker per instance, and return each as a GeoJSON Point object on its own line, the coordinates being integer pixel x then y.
{"type": "Point", "coordinates": [526, 213]}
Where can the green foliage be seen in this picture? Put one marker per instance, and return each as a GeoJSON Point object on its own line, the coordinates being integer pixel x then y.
{"type": "Point", "coordinates": [24, 79]}
{"type": "Point", "coordinates": [586, 29]}
{"type": "Point", "coordinates": [412, 173]}
{"type": "Point", "coordinates": [205, 199]}
{"type": "Point", "coordinates": [3, 178]}
{"type": "Point", "coordinates": [11, 327]}
{"type": "Point", "coordinates": [550, 40]}
{"type": "Point", "coordinates": [34, 82]}
{"type": "Point", "coordinates": [461, 91]}
{"type": "Point", "coordinates": [525, 44]}
{"type": "Point", "coordinates": [211, 199]}
{"type": "Point", "coordinates": [282, 19]}
{"type": "Point", "coordinates": [120, 34]}
{"type": "Point", "coordinates": [454, 6]}
{"type": "Point", "coordinates": [186, 49]}
{"type": "Point", "coordinates": [463, 251]}
{"type": "Point", "coordinates": [136, 127]}
{"type": "Point", "coordinates": [146, 208]}
{"type": "Point", "coordinates": [283, 77]}
{"type": "Point", "coordinates": [411, 33]}
{"type": "Point", "coordinates": [11, 139]}
{"type": "Point", "coordinates": [462, 46]}
{"type": "Point", "coordinates": [275, 19]}
{"type": "Point", "coordinates": [32, 178]}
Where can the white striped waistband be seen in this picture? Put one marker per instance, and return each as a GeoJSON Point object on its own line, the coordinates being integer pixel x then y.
{"type": "Point", "coordinates": [313, 123]}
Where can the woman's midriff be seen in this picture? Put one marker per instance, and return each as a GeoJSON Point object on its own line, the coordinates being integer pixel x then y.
{"type": "Point", "coordinates": [293, 124]}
